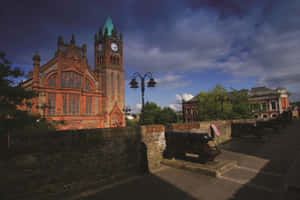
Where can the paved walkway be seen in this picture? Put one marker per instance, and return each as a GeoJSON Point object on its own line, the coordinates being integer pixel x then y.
{"type": "Point", "coordinates": [262, 173]}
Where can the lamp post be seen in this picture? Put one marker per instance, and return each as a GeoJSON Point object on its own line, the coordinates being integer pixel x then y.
{"type": "Point", "coordinates": [127, 110]}
{"type": "Point", "coordinates": [134, 84]}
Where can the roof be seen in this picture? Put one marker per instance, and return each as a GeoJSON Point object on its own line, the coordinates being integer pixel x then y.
{"type": "Point", "coordinates": [108, 25]}
{"type": "Point", "coordinates": [261, 91]}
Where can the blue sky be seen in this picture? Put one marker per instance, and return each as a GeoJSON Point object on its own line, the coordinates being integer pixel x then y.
{"type": "Point", "coordinates": [188, 45]}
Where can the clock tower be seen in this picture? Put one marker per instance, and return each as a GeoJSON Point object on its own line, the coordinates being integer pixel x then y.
{"type": "Point", "coordinates": [108, 62]}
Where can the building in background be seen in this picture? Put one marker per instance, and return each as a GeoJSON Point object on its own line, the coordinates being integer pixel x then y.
{"type": "Point", "coordinates": [70, 90]}
{"type": "Point", "coordinates": [267, 103]}
{"type": "Point", "coordinates": [190, 110]}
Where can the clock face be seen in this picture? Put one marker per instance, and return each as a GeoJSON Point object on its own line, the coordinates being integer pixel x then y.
{"type": "Point", "coordinates": [114, 47]}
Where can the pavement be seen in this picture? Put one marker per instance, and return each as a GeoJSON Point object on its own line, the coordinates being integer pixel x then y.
{"type": "Point", "coordinates": [266, 170]}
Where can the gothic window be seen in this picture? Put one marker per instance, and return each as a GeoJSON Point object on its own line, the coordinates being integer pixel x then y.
{"type": "Point", "coordinates": [87, 85]}
{"type": "Point", "coordinates": [70, 80]}
{"type": "Point", "coordinates": [52, 81]}
{"type": "Point", "coordinates": [89, 105]}
{"type": "Point", "coordinates": [64, 104]}
{"type": "Point", "coordinates": [51, 103]}
{"type": "Point", "coordinates": [73, 104]}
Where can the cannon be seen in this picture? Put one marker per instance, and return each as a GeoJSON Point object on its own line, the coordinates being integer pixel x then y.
{"type": "Point", "coordinates": [180, 143]}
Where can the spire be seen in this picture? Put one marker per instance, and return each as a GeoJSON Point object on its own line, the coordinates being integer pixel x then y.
{"type": "Point", "coordinates": [36, 57]}
{"type": "Point", "coordinates": [108, 25]}
{"type": "Point", "coordinates": [73, 40]}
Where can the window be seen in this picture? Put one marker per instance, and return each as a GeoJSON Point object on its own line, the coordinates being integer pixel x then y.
{"type": "Point", "coordinates": [264, 107]}
{"type": "Point", "coordinates": [73, 104]}
{"type": "Point", "coordinates": [118, 79]}
{"type": "Point", "coordinates": [88, 105]}
{"type": "Point", "coordinates": [88, 85]}
{"type": "Point", "coordinates": [273, 105]}
{"type": "Point", "coordinates": [64, 104]}
{"type": "Point", "coordinates": [52, 81]}
{"type": "Point", "coordinates": [112, 82]}
{"type": "Point", "coordinates": [265, 116]}
{"type": "Point", "coordinates": [71, 80]}
{"type": "Point", "coordinates": [51, 103]}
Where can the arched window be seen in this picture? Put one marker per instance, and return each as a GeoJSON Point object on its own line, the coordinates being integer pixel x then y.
{"type": "Point", "coordinates": [70, 80]}
{"type": "Point", "coordinates": [88, 85]}
{"type": "Point", "coordinates": [52, 81]}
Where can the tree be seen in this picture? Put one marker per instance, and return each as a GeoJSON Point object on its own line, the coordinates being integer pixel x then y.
{"type": "Point", "coordinates": [166, 116]}
{"type": "Point", "coordinates": [220, 104]}
{"type": "Point", "coordinates": [12, 97]}
{"type": "Point", "coordinates": [153, 114]}
{"type": "Point", "coordinates": [150, 113]}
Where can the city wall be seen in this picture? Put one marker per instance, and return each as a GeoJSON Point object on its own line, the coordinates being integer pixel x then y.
{"type": "Point", "coordinates": [63, 161]}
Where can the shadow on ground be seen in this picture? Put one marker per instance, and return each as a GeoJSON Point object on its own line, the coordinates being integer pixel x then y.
{"type": "Point", "coordinates": [268, 163]}
{"type": "Point", "coordinates": [147, 188]}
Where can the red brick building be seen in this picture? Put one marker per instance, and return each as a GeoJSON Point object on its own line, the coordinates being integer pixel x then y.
{"type": "Point", "coordinates": [70, 90]}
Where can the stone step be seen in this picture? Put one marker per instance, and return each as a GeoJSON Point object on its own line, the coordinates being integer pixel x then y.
{"type": "Point", "coordinates": [214, 168]}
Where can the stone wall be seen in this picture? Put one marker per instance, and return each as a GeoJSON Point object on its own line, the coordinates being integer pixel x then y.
{"type": "Point", "coordinates": [64, 161]}
{"type": "Point", "coordinates": [242, 127]}
{"type": "Point", "coordinates": [204, 127]}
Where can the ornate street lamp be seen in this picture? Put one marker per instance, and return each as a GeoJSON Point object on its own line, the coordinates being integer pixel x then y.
{"type": "Point", "coordinates": [134, 84]}
{"type": "Point", "coordinates": [127, 110]}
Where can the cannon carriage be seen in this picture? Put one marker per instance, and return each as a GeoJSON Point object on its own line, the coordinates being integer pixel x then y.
{"type": "Point", "coordinates": [181, 143]}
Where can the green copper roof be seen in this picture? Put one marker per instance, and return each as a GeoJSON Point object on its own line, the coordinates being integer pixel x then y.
{"type": "Point", "coordinates": [109, 25]}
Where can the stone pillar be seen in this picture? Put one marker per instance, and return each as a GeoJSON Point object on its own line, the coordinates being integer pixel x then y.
{"type": "Point", "coordinates": [35, 80]}
{"type": "Point", "coordinates": [154, 142]}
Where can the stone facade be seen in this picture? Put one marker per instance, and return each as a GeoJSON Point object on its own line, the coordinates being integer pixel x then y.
{"type": "Point", "coordinates": [68, 89]}
{"type": "Point", "coordinates": [267, 103]}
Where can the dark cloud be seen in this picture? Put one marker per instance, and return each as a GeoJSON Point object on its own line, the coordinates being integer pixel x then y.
{"type": "Point", "coordinates": [247, 38]}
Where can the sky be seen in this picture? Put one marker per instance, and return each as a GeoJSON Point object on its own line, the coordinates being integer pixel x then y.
{"type": "Point", "coordinates": [188, 45]}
